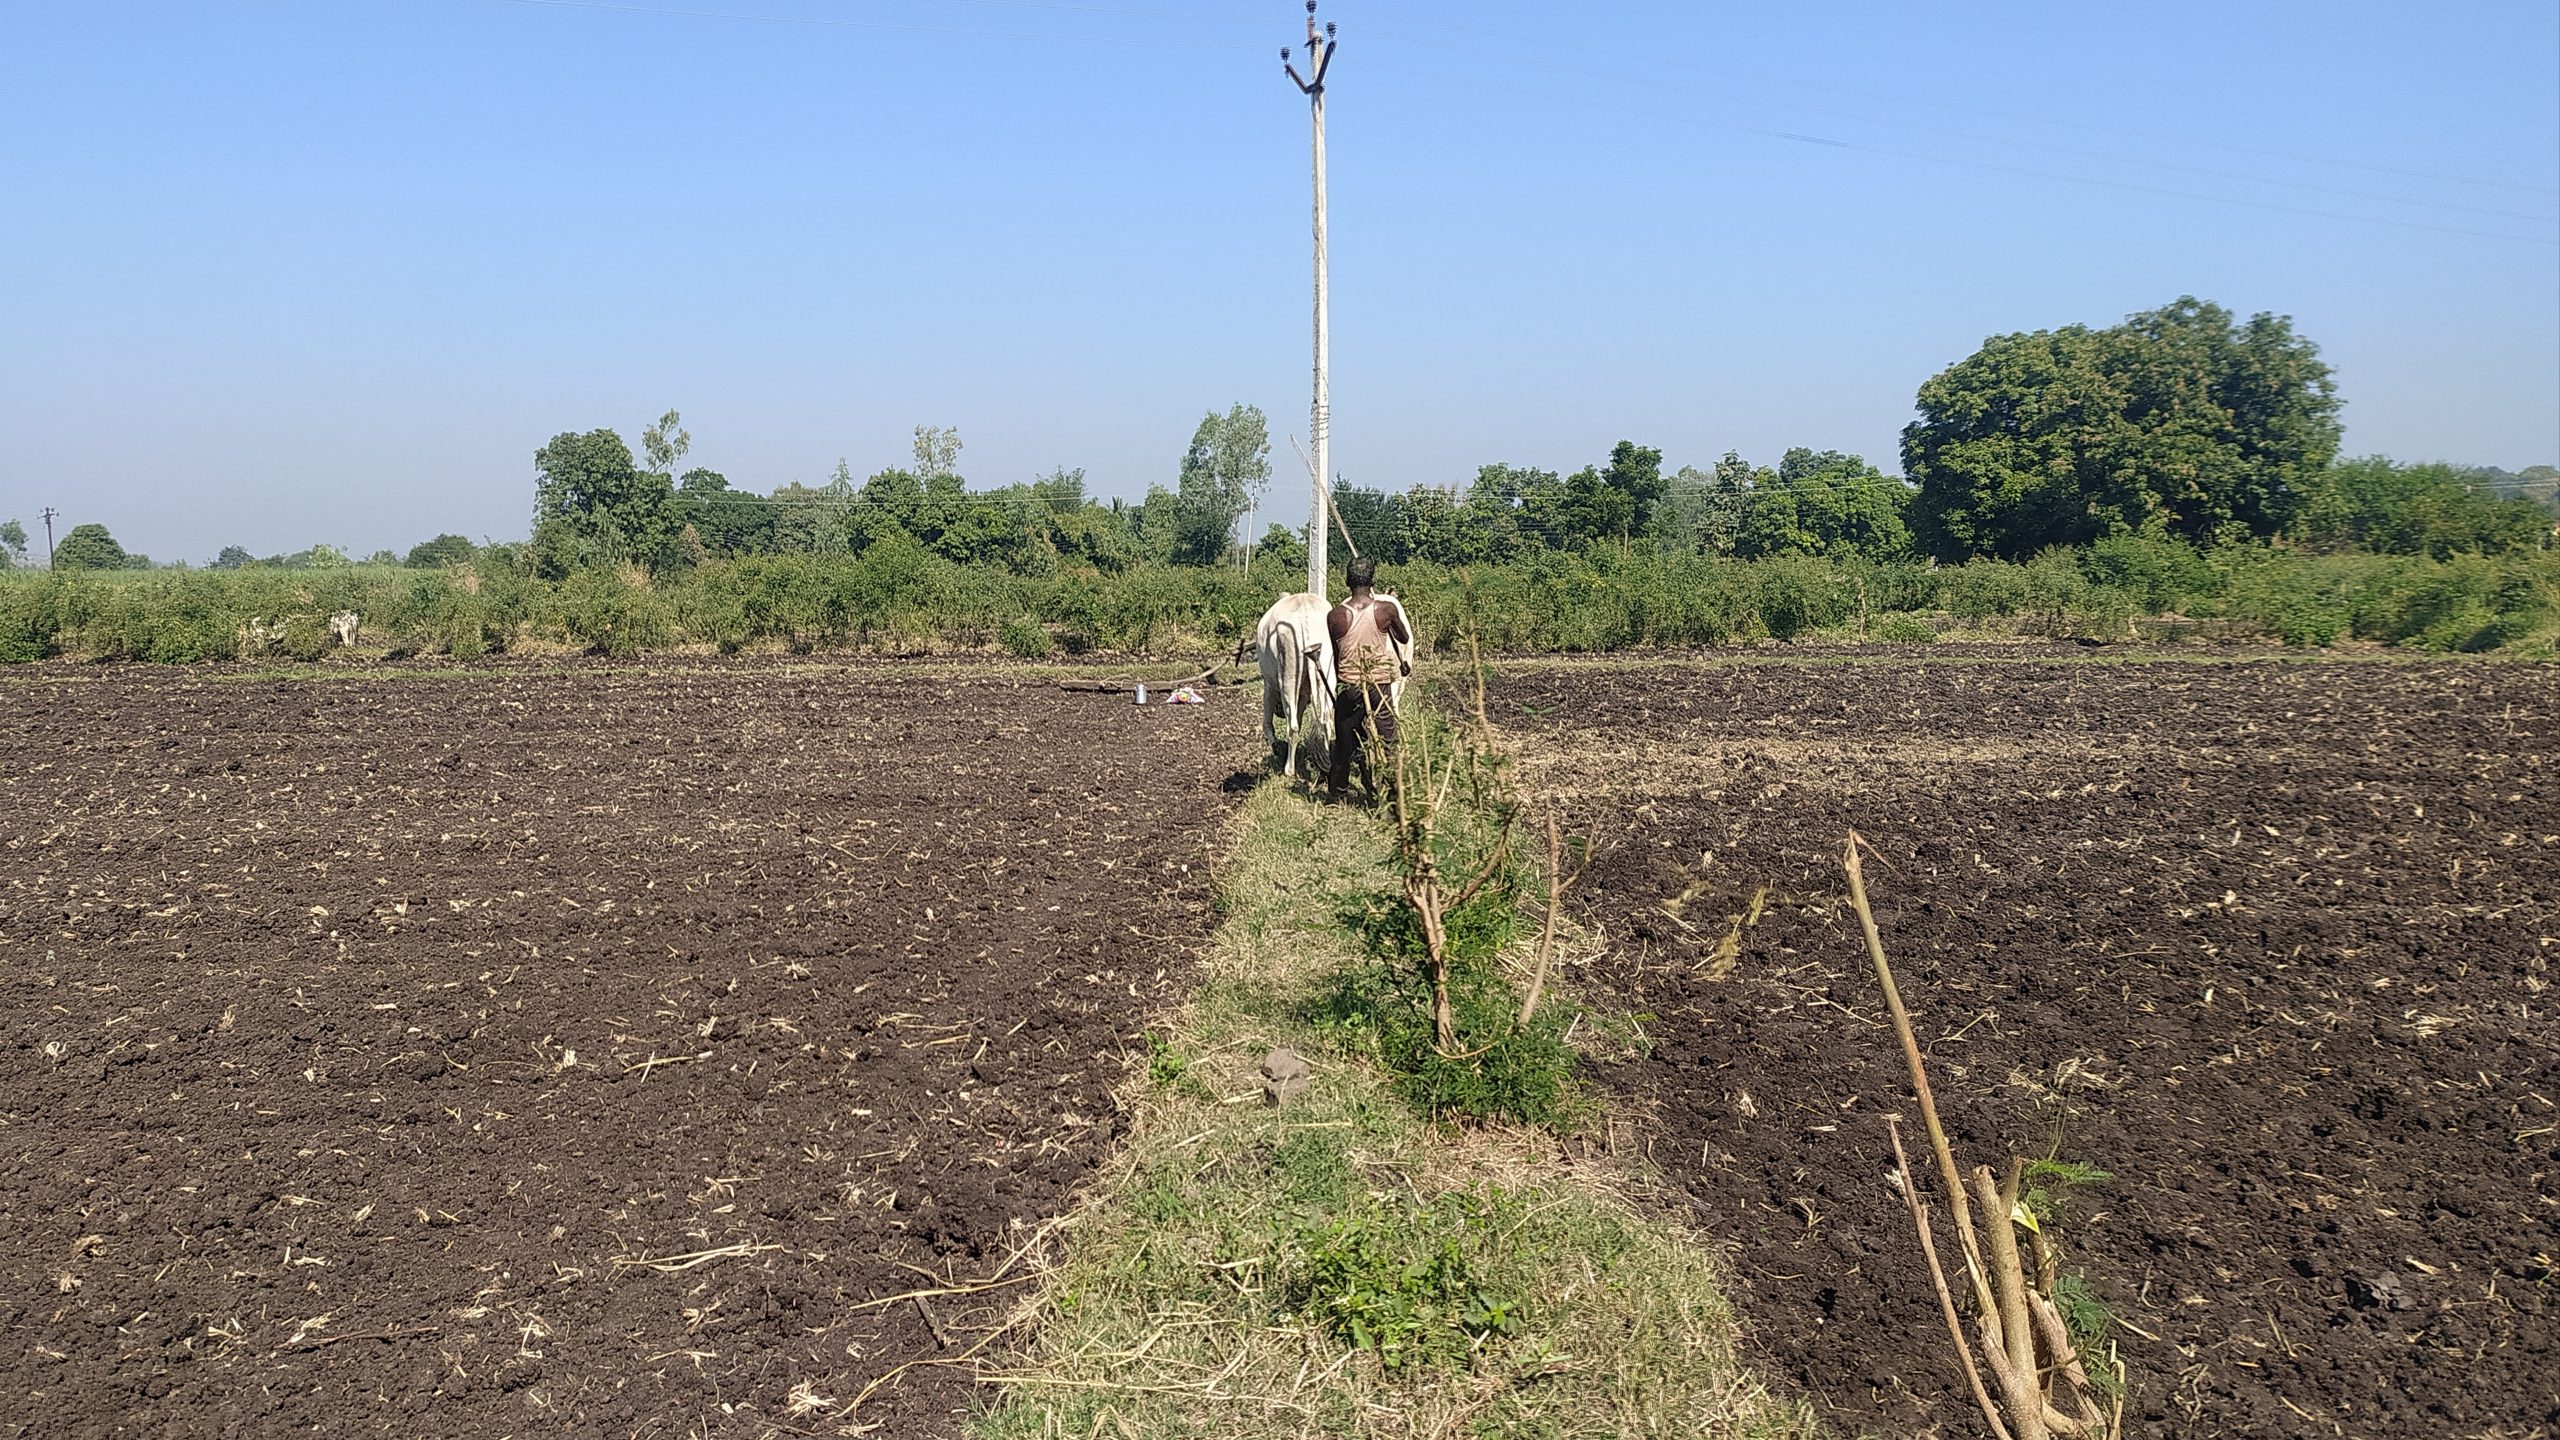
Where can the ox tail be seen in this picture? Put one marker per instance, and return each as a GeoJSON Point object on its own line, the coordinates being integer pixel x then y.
{"type": "Point", "coordinates": [1284, 636]}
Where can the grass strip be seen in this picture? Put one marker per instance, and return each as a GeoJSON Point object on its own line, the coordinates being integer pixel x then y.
{"type": "Point", "coordinates": [1339, 1267]}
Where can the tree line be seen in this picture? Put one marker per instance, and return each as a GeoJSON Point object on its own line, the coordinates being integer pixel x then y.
{"type": "Point", "coordinates": [2182, 424]}
{"type": "Point", "coordinates": [595, 503]}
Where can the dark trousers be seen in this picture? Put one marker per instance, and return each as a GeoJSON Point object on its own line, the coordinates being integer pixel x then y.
{"type": "Point", "coordinates": [1361, 712]}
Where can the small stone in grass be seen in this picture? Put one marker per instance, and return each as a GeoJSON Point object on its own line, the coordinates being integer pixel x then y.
{"type": "Point", "coordinates": [1284, 1076]}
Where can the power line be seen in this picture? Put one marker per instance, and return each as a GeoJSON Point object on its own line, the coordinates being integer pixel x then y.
{"type": "Point", "coordinates": [818, 22]}
{"type": "Point", "coordinates": [1766, 132]}
{"type": "Point", "coordinates": [2204, 170]}
{"type": "Point", "coordinates": [1068, 9]}
{"type": "Point", "coordinates": [2100, 182]}
{"type": "Point", "coordinates": [1545, 45]}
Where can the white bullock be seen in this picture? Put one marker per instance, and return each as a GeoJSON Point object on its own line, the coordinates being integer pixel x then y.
{"type": "Point", "coordinates": [1404, 654]}
{"type": "Point", "coordinates": [1296, 652]}
{"type": "Point", "coordinates": [343, 625]}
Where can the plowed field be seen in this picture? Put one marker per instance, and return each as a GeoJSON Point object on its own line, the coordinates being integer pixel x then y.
{"type": "Point", "coordinates": [2270, 941]}
{"type": "Point", "coordinates": [560, 1054]}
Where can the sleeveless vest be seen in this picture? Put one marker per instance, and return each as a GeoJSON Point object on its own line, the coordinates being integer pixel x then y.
{"type": "Point", "coordinates": [1367, 657]}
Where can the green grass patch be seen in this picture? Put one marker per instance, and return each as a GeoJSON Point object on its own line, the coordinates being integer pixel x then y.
{"type": "Point", "coordinates": [1344, 1266]}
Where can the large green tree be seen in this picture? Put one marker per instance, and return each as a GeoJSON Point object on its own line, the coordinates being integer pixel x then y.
{"type": "Point", "coordinates": [2438, 510]}
{"type": "Point", "coordinates": [1610, 502]}
{"type": "Point", "coordinates": [2180, 421]}
{"type": "Point", "coordinates": [1516, 505]}
{"type": "Point", "coordinates": [1823, 503]}
{"type": "Point", "coordinates": [1432, 524]}
{"type": "Point", "coordinates": [1700, 512]}
{"type": "Point", "coordinates": [814, 519]}
{"type": "Point", "coordinates": [937, 450]}
{"type": "Point", "coordinates": [13, 543]}
{"type": "Point", "coordinates": [1374, 519]}
{"type": "Point", "coordinates": [724, 521]}
{"type": "Point", "coordinates": [1224, 472]}
{"type": "Point", "coordinates": [90, 547]}
{"type": "Point", "coordinates": [593, 504]}
{"type": "Point", "coordinates": [665, 443]}
{"type": "Point", "coordinates": [444, 550]}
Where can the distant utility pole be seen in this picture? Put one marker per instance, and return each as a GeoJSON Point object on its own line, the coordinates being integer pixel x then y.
{"type": "Point", "coordinates": [49, 513]}
{"type": "Point", "coordinates": [1320, 414]}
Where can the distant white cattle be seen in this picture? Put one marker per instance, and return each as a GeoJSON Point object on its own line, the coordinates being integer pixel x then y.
{"type": "Point", "coordinates": [1297, 677]}
{"type": "Point", "coordinates": [258, 637]}
{"type": "Point", "coordinates": [343, 626]}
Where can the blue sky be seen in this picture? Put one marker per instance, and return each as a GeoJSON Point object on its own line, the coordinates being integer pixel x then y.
{"type": "Point", "coordinates": [285, 271]}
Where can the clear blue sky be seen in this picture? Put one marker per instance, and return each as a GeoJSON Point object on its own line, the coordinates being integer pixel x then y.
{"type": "Point", "coordinates": [283, 271]}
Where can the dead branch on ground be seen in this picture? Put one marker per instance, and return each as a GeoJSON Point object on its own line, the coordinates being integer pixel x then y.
{"type": "Point", "coordinates": [2023, 1341]}
{"type": "Point", "coordinates": [1123, 687]}
{"type": "Point", "coordinates": [1558, 882]}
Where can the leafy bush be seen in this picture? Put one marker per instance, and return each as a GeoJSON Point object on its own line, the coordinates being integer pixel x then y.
{"type": "Point", "coordinates": [2157, 574]}
{"type": "Point", "coordinates": [2300, 604]}
{"type": "Point", "coordinates": [1698, 602]}
{"type": "Point", "coordinates": [1023, 639]}
{"type": "Point", "coordinates": [1502, 1072]}
{"type": "Point", "coordinates": [1460, 880]}
{"type": "Point", "coordinates": [31, 618]}
{"type": "Point", "coordinates": [166, 619]}
{"type": "Point", "coordinates": [613, 613]}
{"type": "Point", "coordinates": [306, 638]}
{"type": "Point", "coordinates": [467, 629]}
{"type": "Point", "coordinates": [1799, 594]}
{"type": "Point", "coordinates": [2052, 588]}
{"type": "Point", "coordinates": [1983, 589]}
{"type": "Point", "coordinates": [1895, 585]}
{"type": "Point", "coordinates": [2458, 605]}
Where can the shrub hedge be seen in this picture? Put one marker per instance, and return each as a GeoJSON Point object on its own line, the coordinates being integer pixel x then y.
{"type": "Point", "coordinates": [900, 597]}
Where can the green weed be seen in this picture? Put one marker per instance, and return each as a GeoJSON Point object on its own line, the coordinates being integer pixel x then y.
{"type": "Point", "coordinates": [1165, 1064]}
{"type": "Point", "coordinates": [1398, 1279]}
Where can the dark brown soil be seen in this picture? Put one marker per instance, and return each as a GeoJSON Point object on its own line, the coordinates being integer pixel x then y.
{"type": "Point", "coordinates": [560, 1054]}
{"type": "Point", "coordinates": [2270, 941]}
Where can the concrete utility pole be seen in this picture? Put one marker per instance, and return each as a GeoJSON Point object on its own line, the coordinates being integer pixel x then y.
{"type": "Point", "coordinates": [1320, 414]}
{"type": "Point", "coordinates": [49, 513]}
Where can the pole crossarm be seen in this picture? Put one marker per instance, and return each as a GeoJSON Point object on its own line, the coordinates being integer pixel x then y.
{"type": "Point", "coordinates": [1320, 48]}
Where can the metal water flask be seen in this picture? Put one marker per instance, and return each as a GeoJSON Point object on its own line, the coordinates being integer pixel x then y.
{"type": "Point", "coordinates": [1142, 692]}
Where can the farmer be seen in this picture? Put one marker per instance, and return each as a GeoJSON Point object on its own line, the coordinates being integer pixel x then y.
{"type": "Point", "coordinates": [1368, 632]}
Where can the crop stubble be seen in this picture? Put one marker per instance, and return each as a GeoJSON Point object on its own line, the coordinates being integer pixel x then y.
{"type": "Point", "coordinates": [560, 1053]}
{"type": "Point", "coordinates": [2271, 941]}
